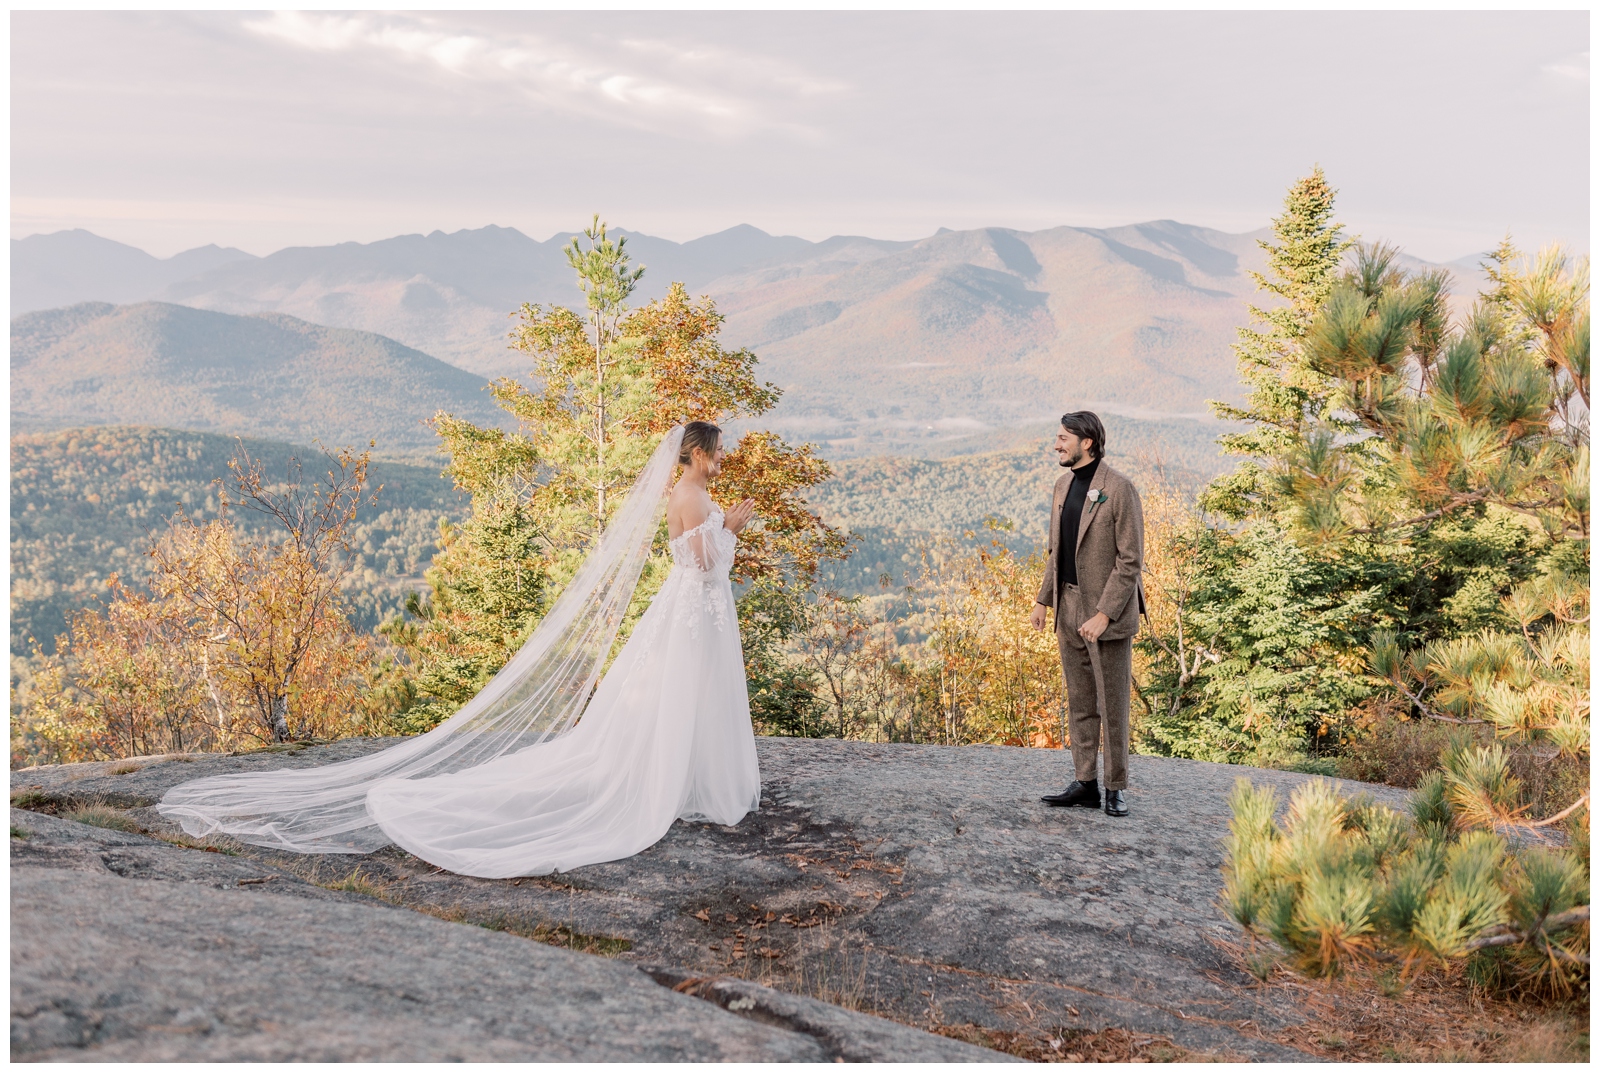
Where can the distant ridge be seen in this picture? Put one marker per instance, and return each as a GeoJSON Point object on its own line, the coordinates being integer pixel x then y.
{"type": "Point", "coordinates": [69, 267]}
{"type": "Point", "coordinates": [880, 346]}
{"type": "Point", "coordinates": [270, 376]}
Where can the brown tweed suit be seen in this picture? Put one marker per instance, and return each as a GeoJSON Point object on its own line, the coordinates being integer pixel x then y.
{"type": "Point", "coordinates": [1099, 676]}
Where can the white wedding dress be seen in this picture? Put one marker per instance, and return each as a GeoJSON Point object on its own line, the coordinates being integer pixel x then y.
{"type": "Point", "coordinates": [545, 770]}
{"type": "Point", "coordinates": [667, 736]}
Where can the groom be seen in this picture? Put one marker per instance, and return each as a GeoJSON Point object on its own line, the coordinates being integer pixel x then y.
{"type": "Point", "coordinates": [1093, 581]}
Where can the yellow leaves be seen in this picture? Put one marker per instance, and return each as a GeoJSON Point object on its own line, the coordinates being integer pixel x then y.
{"type": "Point", "coordinates": [1250, 850]}
{"type": "Point", "coordinates": [1466, 666]}
{"type": "Point", "coordinates": [1570, 732]}
{"type": "Point", "coordinates": [255, 625]}
{"type": "Point", "coordinates": [599, 411]}
{"type": "Point", "coordinates": [692, 377]}
{"type": "Point", "coordinates": [1562, 597]}
{"type": "Point", "coordinates": [1000, 679]}
{"type": "Point", "coordinates": [1480, 789]}
{"type": "Point", "coordinates": [1478, 415]}
{"type": "Point", "coordinates": [124, 683]}
{"type": "Point", "coordinates": [787, 537]}
{"type": "Point", "coordinates": [1306, 883]}
{"type": "Point", "coordinates": [1551, 293]}
{"type": "Point", "coordinates": [487, 463]}
{"type": "Point", "coordinates": [1532, 686]}
{"type": "Point", "coordinates": [1336, 911]}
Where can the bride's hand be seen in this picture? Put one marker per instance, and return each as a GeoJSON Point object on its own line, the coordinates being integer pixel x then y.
{"type": "Point", "coordinates": [739, 516]}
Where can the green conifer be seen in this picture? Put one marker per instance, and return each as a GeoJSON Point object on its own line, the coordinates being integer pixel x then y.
{"type": "Point", "coordinates": [1283, 390]}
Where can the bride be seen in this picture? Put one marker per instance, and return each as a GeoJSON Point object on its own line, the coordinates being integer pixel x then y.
{"type": "Point", "coordinates": [550, 766]}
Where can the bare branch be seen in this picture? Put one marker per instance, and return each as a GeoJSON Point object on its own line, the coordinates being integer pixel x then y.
{"type": "Point", "coordinates": [1563, 814]}
{"type": "Point", "coordinates": [1429, 712]}
{"type": "Point", "coordinates": [1511, 937]}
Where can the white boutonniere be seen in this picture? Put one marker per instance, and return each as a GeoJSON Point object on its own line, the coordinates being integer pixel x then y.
{"type": "Point", "coordinates": [1095, 498]}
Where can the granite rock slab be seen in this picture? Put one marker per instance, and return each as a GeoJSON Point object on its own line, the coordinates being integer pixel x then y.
{"type": "Point", "coordinates": [127, 948]}
{"type": "Point", "coordinates": [925, 884]}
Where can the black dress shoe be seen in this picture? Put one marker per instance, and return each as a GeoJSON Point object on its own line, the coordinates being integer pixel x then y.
{"type": "Point", "coordinates": [1076, 795]}
{"type": "Point", "coordinates": [1116, 804]}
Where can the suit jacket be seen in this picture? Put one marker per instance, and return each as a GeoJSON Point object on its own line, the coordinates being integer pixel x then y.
{"type": "Point", "coordinates": [1110, 552]}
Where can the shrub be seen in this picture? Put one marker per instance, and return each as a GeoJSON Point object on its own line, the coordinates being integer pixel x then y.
{"type": "Point", "coordinates": [1392, 750]}
{"type": "Point", "coordinates": [1344, 880]}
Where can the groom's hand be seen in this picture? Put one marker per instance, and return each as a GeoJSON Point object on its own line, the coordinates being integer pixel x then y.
{"type": "Point", "coordinates": [1090, 631]}
{"type": "Point", "coordinates": [1040, 616]}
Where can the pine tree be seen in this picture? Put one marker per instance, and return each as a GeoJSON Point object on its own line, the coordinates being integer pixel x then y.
{"type": "Point", "coordinates": [1344, 881]}
{"type": "Point", "coordinates": [583, 418]}
{"type": "Point", "coordinates": [1283, 390]}
{"type": "Point", "coordinates": [488, 586]}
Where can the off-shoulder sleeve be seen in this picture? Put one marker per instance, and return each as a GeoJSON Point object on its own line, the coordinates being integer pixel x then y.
{"type": "Point", "coordinates": [711, 546]}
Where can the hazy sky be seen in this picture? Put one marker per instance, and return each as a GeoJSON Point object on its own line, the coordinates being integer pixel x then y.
{"type": "Point", "coordinates": [1441, 130]}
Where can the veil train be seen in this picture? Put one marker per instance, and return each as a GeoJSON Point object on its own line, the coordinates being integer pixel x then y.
{"type": "Point", "coordinates": [538, 696]}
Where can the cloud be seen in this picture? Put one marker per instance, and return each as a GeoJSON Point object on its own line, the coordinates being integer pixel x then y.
{"type": "Point", "coordinates": [665, 82]}
{"type": "Point", "coordinates": [1574, 67]}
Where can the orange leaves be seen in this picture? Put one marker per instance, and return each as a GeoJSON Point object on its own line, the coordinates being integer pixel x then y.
{"type": "Point", "coordinates": [999, 680]}
{"type": "Point", "coordinates": [264, 616]}
{"type": "Point", "coordinates": [693, 378]}
{"type": "Point", "coordinates": [125, 682]}
{"type": "Point", "coordinates": [787, 537]}
{"type": "Point", "coordinates": [670, 368]}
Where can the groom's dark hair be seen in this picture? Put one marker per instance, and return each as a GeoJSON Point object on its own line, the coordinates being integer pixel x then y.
{"type": "Point", "coordinates": [1085, 424]}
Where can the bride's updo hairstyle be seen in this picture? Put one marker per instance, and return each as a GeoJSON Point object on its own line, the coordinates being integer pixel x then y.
{"type": "Point", "coordinates": [701, 434]}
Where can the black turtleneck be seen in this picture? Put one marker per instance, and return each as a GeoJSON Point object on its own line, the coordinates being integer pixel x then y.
{"type": "Point", "coordinates": [1067, 545]}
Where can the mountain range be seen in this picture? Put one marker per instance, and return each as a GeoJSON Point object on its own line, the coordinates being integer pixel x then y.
{"type": "Point", "coordinates": [270, 375]}
{"type": "Point", "coordinates": [880, 346]}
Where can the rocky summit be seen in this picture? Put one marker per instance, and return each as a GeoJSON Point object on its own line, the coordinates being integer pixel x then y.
{"type": "Point", "coordinates": [886, 903]}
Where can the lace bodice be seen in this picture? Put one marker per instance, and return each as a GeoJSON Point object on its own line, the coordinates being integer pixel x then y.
{"type": "Point", "coordinates": [707, 548]}
{"type": "Point", "coordinates": [699, 591]}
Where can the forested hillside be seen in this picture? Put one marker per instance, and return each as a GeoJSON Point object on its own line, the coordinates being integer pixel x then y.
{"type": "Point", "coordinates": [85, 503]}
{"type": "Point", "coordinates": [894, 505]}
{"type": "Point", "coordinates": [270, 376]}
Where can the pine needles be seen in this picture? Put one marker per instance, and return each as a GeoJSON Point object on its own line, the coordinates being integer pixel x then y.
{"type": "Point", "coordinates": [1342, 882]}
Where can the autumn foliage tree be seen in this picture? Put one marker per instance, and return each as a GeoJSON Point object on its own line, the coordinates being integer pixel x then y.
{"type": "Point", "coordinates": [267, 611]}
{"type": "Point", "coordinates": [239, 639]}
{"type": "Point", "coordinates": [975, 672]}
{"type": "Point", "coordinates": [998, 680]}
{"type": "Point", "coordinates": [605, 384]}
{"type": "Point", "coordinates": [126, 680]}
{"type": "Point", "coordinates": [672, 369]}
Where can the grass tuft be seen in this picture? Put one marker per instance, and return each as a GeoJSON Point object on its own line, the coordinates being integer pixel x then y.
{"type": "Point", "coordinates": [359, 883]}
{"type": "Point", "coordinates": [31, 797]}
{"type": "Point", "coordinates": [538, 931]}
{"type": "Point", "coordinates": [97, 815]}
{"type": "Point", "coordinates": [558, 935]}
{"type": "Point", "coordinates": [183, 840]}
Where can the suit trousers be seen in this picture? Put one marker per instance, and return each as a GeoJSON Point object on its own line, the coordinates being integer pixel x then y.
{"type": "Point", "coordinates": [1099, 680]}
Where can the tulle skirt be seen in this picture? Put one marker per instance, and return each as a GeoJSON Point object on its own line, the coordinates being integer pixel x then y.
{"type": "Point", "coordinates": [666, 736]}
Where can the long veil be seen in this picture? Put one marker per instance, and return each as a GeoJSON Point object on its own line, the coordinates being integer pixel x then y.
{"type": "Point", "coordinates": [539, 694]}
